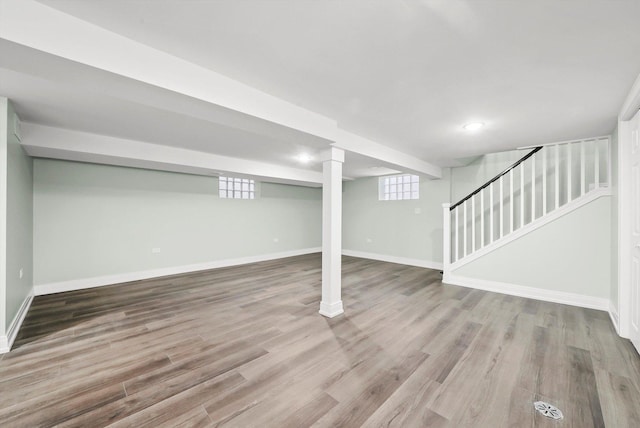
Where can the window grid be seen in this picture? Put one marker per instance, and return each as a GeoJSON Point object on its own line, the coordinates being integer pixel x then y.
{"type": "Point", "coordinates": [399, 187]}
{"type": "Point", "coordinates": [236, 188]}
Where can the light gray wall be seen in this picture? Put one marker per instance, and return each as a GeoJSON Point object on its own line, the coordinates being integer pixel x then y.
{"type": "Point", "coordinates": [95, 220]}
{"type": "Point", "coordinates": [614, 219]}
{"type": "Point", "coordinates": [393, 227]}
{"type": "Point", "coordinates": [19, 220]}
{"type": "Point", "coordinates": [570, 254]}
{"type": "Point", "coordinates": [466, 179]}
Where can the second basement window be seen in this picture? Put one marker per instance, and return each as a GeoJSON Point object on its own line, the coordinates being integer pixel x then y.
{"type": "Point", "coordinates": [399, 187]}
{"type": "Point", "coordinates": [236, 188]}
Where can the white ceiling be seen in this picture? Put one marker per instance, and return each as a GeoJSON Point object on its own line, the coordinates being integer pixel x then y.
{"type": "Point", "coordinates": [410, 73]}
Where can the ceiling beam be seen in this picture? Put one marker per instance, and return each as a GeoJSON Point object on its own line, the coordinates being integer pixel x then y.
{"type": "Point", "coordinates": [32, 24]}
{"type": "Point", "coordinates": [35, 38]}
{"type": "Point", "coordinates": [56, 143]}
{"type": "Point", "coordinates": [387, 156]}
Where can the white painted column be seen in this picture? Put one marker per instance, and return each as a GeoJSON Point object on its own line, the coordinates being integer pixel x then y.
{"type": "Point", "coordinates": [446, 239]}
{"type": "Point", "coordinates": [331, 304]}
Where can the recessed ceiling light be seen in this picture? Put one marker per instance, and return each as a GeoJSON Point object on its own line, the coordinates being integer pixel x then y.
{"type": "Point", "coordinates": [304, 158]}
{"type": "Point", "coordinates": [473, 126]}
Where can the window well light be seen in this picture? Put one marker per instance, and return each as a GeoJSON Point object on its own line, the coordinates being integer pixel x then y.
{"type": "Point", "coordinates": [473, 126]}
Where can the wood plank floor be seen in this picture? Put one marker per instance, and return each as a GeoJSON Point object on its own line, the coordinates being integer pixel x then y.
{"type": "Point", "coordinates": [246, 347]}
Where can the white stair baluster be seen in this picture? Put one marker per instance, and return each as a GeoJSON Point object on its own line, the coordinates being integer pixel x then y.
{"type": "Point", "coordinates": [501, 203]}
{"type": "Point", "coordinates": [464, 228]}
{"type": "Point", "coordinates": [473, 223]}
{"type": "Point", "coordinates": [522, 194]}
{"type": "Point", "coordinates": [569, 191]}
{"type": "Point", "coordinates": [582, 169]}
{"type": "Point", "coordinates": [533, 187]}
{"type": "Point", "coordinates": [596, 166]}
{"type": "Point", "coordinates": [511, 200]}
{"type": "Point", "coordinates": [491, 235]}
{"type": "Point", "coordinates": [544, 181]}
{"type": "Point", "coordinates": [457, 237]}
{"type": "Point", "coordinates": [482, 218]}
{"type": "Point", "coordinates": [557, 194]}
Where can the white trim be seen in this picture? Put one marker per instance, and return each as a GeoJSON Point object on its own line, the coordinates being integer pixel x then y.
{"type": "Point", "coordinates": [613, 314]}
{"type": "Point", "coordinates": [386, 156]}
{"type": "Point", "coordinates": [331, 310]}
{"type": "Point", "coordinates": [6, 342]}
{"type": "Point", "coordinates": [632, 102]}
{"type": "Point", "coordinates": [529, 292]}
{"type": "Point", "coordinates": [44, 29]}
{"type": "Point", "coordinates": [557, 143]}
{"type": "Point", "coordinates": [624, 228]}
{"type": "Point", "coordinates": [99, 281]}
{"type": "Point", "coordinates": [57, 143]}
{"type": "Point", "coordinates": [393, 259]}
{"type": "Point", "coordinates": [539, 222]}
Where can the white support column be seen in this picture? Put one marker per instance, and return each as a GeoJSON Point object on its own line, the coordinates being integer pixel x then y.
{"type": "Point", "coordinates": [331, 304]}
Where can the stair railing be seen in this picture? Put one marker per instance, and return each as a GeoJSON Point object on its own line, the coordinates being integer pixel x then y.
{"type": "Point", "coordinates": [543, 180]}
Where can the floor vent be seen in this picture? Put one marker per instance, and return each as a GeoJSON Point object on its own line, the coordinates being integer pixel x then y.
{"type": "Point", "coordinates": [548, 410]}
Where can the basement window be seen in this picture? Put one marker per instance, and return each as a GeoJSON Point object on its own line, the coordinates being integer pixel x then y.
{"type": "Point", "coordinates": [236, 188]}
{"type": "Point", "coordinates": [398, 187]}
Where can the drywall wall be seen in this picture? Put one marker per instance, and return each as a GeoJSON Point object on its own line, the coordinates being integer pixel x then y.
{"type": "Point", "coordinates": [97, 220]}
{"type": "Point", "coordinates": [466, 179]}
{"type": "Point", "coordinates": [408, 229]}
{"type": "Point", "coordinates": [570, 254]}
{"type": "Point", "coordinates": [19, 221]}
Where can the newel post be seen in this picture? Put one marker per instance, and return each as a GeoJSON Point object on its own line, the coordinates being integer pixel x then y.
{"type": "Point", "coordinates": [446, 239]}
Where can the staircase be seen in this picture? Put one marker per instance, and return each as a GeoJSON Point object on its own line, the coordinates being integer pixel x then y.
{"type": "Point", "coordinates": [546, 183]}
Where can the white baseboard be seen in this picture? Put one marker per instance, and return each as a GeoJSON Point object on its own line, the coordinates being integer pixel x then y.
{"type": "Point", "coordinates": [393, 259]}
{"type": "Point", "coordinates": [6, 342]}
{"type": "Point", "coordinates": [99, 281]}
{"type": "Point", "coordinates": [615, 318]}
{"type": "Point", "coordinates": [529, 292]}
{"type": "Point", "coordinates": [331, 310]}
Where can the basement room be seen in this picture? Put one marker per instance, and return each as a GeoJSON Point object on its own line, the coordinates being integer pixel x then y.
{"type": "Point", "coordinates": [304, 213]}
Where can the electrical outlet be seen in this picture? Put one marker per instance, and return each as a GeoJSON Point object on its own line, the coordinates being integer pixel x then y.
{"type": "Point", "coordinates": [369, 240]}
{"type": "Point", "coordinates": [21, 273]}
{"type": "Point", "coordinates": [417, 210]}
{"type": "Point", "coordinates": [276, 240]}
{"type": "Point", "coordinates": [155, 250]}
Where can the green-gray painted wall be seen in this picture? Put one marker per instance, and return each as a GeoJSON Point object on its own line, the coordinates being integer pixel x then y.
{"type": "Point", "coordinates": [393, 228]}
{"type": "Point", "coordinates": [19, 218]}
{"type": "Point", "coordinates": [570, 254]}
{"type": "Point", "coordinates": [466, 179]}
{"type": "Point", "coordinates": [96, 220]}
